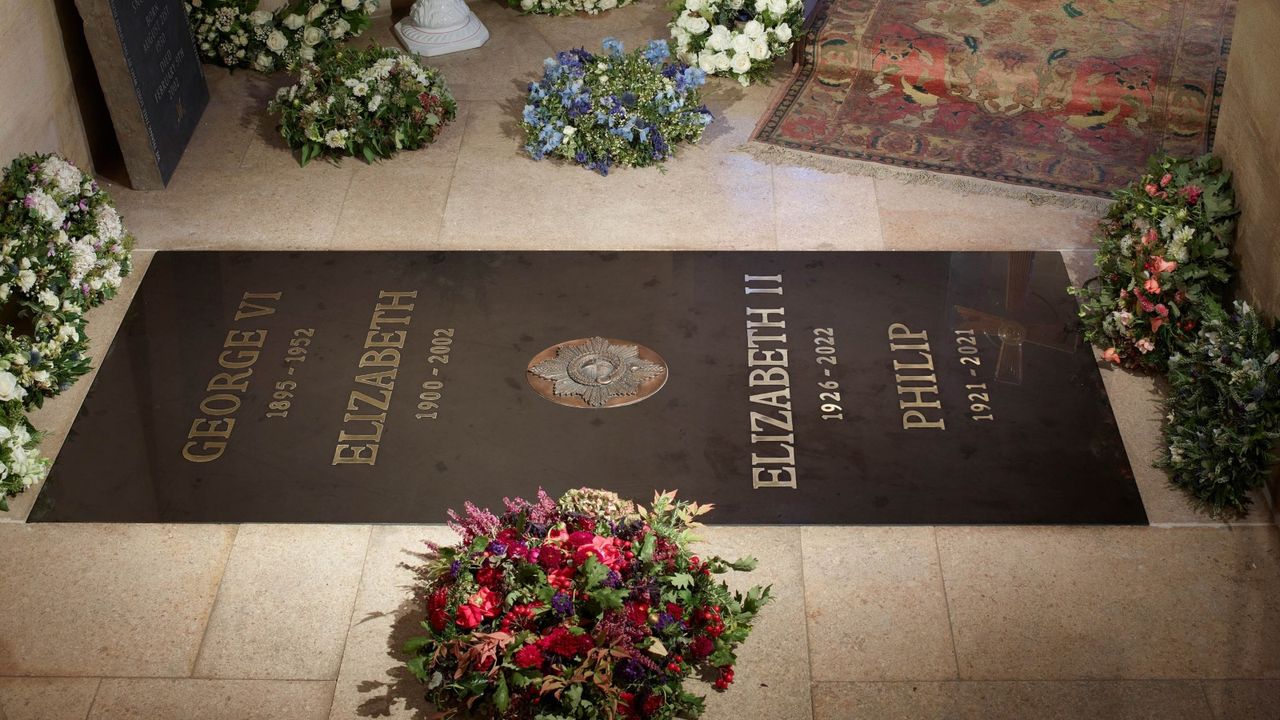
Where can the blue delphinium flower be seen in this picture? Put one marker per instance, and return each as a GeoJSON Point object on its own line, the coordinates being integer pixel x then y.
{"type": "Point", "coordinates": [530, 114]}
{"type": "Point", "coordinates": [612, 45]}
{"type": "Point", "coordinates": [656, 51]}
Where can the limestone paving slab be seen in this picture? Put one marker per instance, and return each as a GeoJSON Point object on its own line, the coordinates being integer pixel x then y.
{"type": "Point", "coordinates": [1101, 603]}
{"type": "Point", "coordinates": [851, 220]}
{"type": "Point", "coordinates": [188, 699]}
{"type": "Point", "coordinates": [771, 678]}
{"type": "Point", "coordinates": [373, 680]}
{"type": "Point", "coordinates": [1100, 700]}
{"type": "Point", "coordinates": [285, 603]}
{"type": "Point", "coordinates": [120, 600]}
{"type": "Point", "coordinates": [876, 609]}
{"type": "Point", "coordinates": [1231, 699]}
{"type": "Point", "coordinates": [31, 698]}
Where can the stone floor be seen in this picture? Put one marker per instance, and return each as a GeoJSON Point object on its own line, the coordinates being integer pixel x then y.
{"type": "Point", "coordinates": [1180, 620]}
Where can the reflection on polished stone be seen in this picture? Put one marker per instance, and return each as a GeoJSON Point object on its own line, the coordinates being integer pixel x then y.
{"type": "Point", "coordinates": [799, 388]}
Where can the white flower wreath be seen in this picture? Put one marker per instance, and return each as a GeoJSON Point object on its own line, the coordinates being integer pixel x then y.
{"type": "Point", "coordinates": [566, 7]}
{"type": "Point", "coordinates": [735, 38]}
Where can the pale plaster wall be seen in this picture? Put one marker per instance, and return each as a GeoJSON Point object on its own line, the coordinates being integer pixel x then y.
{"type": "Point", "coordinates": [38, 107]}
{"type": "Point", "coordinates": [1249, 142]}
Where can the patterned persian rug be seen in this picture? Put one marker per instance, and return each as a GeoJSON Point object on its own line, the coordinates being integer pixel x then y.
{"type": "Point", "coordinates": [1070, 96]}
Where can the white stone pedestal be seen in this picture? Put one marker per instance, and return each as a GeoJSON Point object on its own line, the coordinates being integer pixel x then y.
{"type": "Point", "coordinates": [439, 27]}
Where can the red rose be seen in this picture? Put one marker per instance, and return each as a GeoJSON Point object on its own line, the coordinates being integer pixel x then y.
{"type": "Point", "coordinates": [702, 646]}
{"type": "Point", "coordinates": [529, 656]}
{"type": "Point", "coordinates": [469, 616]}
{"type": "Point", "coordinates": [486, 601]}
{"type": "Point", "coordinates": [489, 576]}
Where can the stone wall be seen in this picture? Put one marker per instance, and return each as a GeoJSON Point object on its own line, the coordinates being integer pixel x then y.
{"type": "Point", "coordinates": [39, 110]}
{"type": "Point", "coordinates": [1249, 141]}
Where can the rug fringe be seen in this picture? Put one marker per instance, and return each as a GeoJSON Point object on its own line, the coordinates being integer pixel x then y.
{"type": "Point", "coordinates": [774, 155]}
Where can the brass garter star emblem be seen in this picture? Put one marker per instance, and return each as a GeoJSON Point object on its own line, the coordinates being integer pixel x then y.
{"type": "Point", "coordinates": [597, 372]}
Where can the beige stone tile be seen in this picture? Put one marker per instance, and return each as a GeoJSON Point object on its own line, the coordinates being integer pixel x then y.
{"type": "Point", "coordinates": [373, 681]}
{"type": "Point", "coordinates": [875, 605]}
{"type": "Point", "coordinates": [1235, 699]}
{"type": "Point", "coordinates": [1096, 603]}
{"type": "Point", "coordinates": [89, 600]}
{"type": "Point", "coordinates": [285, 603]}
{"type": "Point", "coordinates": [55, 417]}
{"type": "Point", "coordinates": [1114, 700]}
{"type": "Point", "coordinates": [634, 25]}
{"type": "Point", "coordinates": [502, 199]}
{"type": "Point", "coordinates": [185, 699]}
{"type": "Point", "coordinates": [284, 207]}
{"type": "Point", "coordinates": [928, 217]}
{"type": "Point", "coordinates": [504, 66]}
{"type": "Point", "coordinates": [822, 211]}
{"type": "Point", "coordinates": [771, 678]}
{"type": "Point", "coordinates": [46, 698]}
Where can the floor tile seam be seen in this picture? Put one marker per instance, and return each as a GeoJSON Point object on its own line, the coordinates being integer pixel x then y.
{"type": "Point", "coordinates": [946, 602]}
{"type": "Point", "coordinates": [875, 192]}
{"type": "Point", "coordinates": [217, 596]}
{"type": "Point", "coordinates": [96, 689]}
{"type": "Point", "coordinates": [808, 640]}
{"type": "Point", "coordinates": [355, 605]}
{"type": "Point", "coordinates": [453, 173]}
{"type": "Point", "coordinates": [342, 207]}
{"type": "Point", "coordinates": [1208, 706]}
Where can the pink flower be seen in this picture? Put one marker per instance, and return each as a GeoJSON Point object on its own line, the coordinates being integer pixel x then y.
{"type": "Point", "coordinates": [1110, 355]}
{"type": "Point", "coordinates": [1152, 190]}
{"type": "Point", "coordinates": [1192, 193]}
{"type": "Point", "coordinates": [1164, 181]}
{"type": "Point", "coordinates": [1145, 345]}
{"type": "Point", "coordinates": [1156, 322]}
{"type": "Point", "coordinates": [1158, 265]}
{"type": "Point", "coordinates": [1152, 286]}
{"type": "Point", "coordinates": [1162, 311]}
{"type": "Point", "coordinates": [486, 601]}
{"type": "Point", "coordinates": [1150, 237]}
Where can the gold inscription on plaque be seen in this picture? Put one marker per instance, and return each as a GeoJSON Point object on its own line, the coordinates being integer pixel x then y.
{"type": "Point", "coordinates": [916, 382]}
{"type": "Point", "coordinates": [773, 463]}
{"type": "Point", "coordinates": [208, 437]}
{"type": "Point", "coordinates": [366, 416]}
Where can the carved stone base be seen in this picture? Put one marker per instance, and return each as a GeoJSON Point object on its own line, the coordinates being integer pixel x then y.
{"type": "Point", "coordinates": [428, 41]}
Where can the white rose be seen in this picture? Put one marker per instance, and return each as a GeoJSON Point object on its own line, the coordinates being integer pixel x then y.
{"type": "Point", "coordinates": [277, 42]}
{"type": "Point", "coordinates": [695, 5]}
{"type": "Point", "coordinates": [260, 17]}
{"type": "Point", "coordinates": [759, 49]}
{"type": "Point", "coordinates": [5, 434]}
{"type": "Point", "coordinates": [526, 5]}
{"type": "Point", "coordinates": [753, 29]}
{"type": "Point", "coordinates": [681, 36]}
{"type": "Point", "coordinates": [312, 36]}
{"type": "Point", "coordinates": [761, 5]}
{"type": "Point", "coordinates": [294, 21]}
{"type": "Point", "coordinates": [316, 11]}
{"type": "Point", "coordinates": [741, 45]}
{"type": "Point", "coordinates": [608, 4]}
{"type": "Point", "coordinates": [741, 63]}
{"type": "Point", "coordinates": [307, 53]}
{"type": "Point", "coordinates": [375, 102]}
{"type": "Point", "coordinates": [777, 8]}
{"type": "Point", "coordinates": [49, 300]}
{"type": "Point", "coordinates": [783, 33]}
{"type": "Point", "coordinates": [370, 6]}
{"type": "Point", "coordinates": [722, 61]}
{"type": "Point", "coordinates": [9, 390]}
{"type": "Point", "coordinates": [339, 29]}
{"type": "Point", "coordinates": [26, 279]}
{"type": "Point", "coordinates": [350, 5]}
{"type": "Point", "coordinates": [569, 130]}
{"type": "Point", "coordinates": [707, 61]}
{"type": "Point", "coordinates": [41, 377]}
{"type": "Point", "coordinates": [721, 38]}
{"type": "Point", "coordinates": [695, 24]}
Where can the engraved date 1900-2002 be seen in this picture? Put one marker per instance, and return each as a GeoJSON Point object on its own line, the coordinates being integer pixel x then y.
{"type": "Point", "coordinates": [430, 397]}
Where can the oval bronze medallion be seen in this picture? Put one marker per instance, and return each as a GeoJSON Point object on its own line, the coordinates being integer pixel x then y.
{"type": "Point", "coordinates": [597, 373]}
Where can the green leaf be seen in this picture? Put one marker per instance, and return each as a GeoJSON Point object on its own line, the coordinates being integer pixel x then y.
{"type": "Point", "coordinates": [681, 580]}
{"type": "Point", "coordinates": [501, 696]}
{"type": "Point", "coordinates": [414, 644]}
{"type": "Point", "coordinates": [368, 154]}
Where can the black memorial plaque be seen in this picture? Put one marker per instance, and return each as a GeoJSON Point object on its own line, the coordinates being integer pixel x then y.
{"type": "Point", "coordinates": [932, 388]}
{"type": "Point", "coordinates": [152, 78]}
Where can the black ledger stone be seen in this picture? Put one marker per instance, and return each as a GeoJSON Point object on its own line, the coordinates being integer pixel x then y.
{"type": "Point", "coordinates": [993, 412]}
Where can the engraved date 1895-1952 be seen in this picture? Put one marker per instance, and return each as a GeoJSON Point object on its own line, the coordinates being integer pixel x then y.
{"type": "Point", "coordinates": [430, 397]}
{"type": "Point", "coordinates": [282, 398]}
{"type": "Point", "coordinates": [824, 341]}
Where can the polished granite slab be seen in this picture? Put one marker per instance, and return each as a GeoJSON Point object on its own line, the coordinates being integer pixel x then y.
{"type": "Point", "coordinates": [815, 388]}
